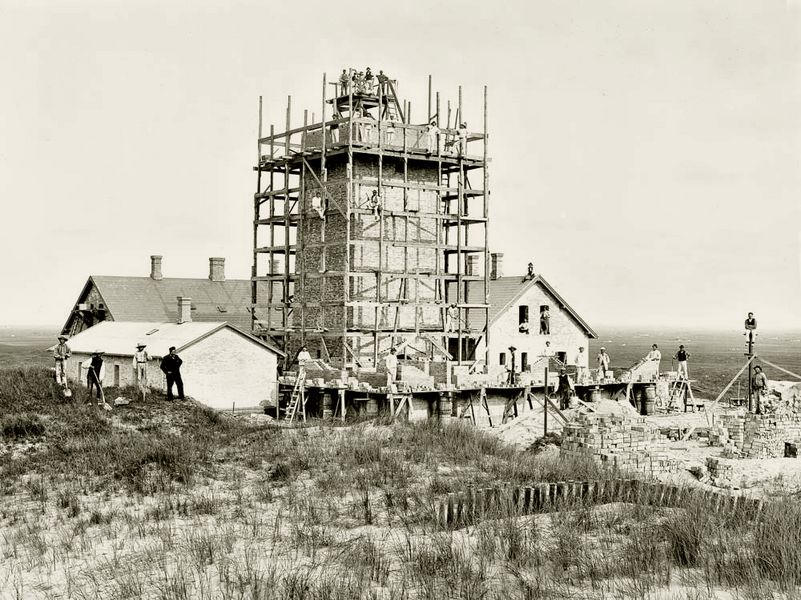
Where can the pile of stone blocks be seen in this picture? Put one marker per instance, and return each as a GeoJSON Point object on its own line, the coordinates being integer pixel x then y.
{"type": "Point", "coordinates": [620, 441]}
{"type": "Point", "coordinates": [760, 436]}
{"type": "Point", "coordinates": [721, 473]}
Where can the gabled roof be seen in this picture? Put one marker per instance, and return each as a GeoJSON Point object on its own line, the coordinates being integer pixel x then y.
{"type": "Point", "coordinates": [119, 338]}
{"type": "Point", "coordinates": [505, 291]}
{"type": "Point", "coordinates": [147, 299]}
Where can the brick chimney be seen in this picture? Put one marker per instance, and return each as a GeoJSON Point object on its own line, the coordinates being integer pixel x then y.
{"type": "Point", "coordinates": [496, 262]}
{"type": "Point", "coordinates": [217, 268]}
{"type": "Point", "coordinates": [184, 310]}
{"type": "Point", "coordinates": [155, 267]}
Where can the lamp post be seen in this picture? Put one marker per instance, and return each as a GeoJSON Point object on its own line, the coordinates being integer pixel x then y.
{"type": "Point", "coordinates": [750, 329]}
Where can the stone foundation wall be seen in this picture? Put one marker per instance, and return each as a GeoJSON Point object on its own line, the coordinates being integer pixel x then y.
{"type": "Point", "coordinates": [626, 443]}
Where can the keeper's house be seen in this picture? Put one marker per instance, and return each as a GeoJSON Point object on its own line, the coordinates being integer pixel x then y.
{"type": "Point", "coordinates": [516, 305]}
{"type": "Point", "coordinates": [152, 299]}
{"type": "Point", "coordinates": [223, 366]}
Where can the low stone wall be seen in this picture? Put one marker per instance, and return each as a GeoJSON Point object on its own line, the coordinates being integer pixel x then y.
{"type": "Point", "coordinates": [760, 436]}
{"type": "Point", "coordinates": [620, 441]}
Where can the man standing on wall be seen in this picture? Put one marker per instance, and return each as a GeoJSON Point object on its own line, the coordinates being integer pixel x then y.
{"type": "Point", "coordinates": [681, 356]}
{"type": "Point", "coordinates": [140, 359]}
{"type": "Point", "coordinates": [582, 374]}
{"type": "Point", "coordinates": [565, 389]}
{"type": "Point", "coordinates": [391, 365]}
{"type": "Point", "coordinates": [61, 354]}
{"type": "Point", "coordinates": [603, 363]}
{"type": "Point", "coordinates": [654, 357]}
{"type": "Point", "coordinates": [171, 365]}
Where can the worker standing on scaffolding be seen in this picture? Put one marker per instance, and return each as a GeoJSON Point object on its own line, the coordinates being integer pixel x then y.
{"type": "Point", "coordinates": [432, 136]}
{"type": "Point", "coordinates": [383, 80]}
{"type": "Point", "coordinates": [582, 372]}
{"type": "Point", "coordinates": [344, 82]}
{"type": "Point", "coordinates": [565, 389]}
{"type": "Point", "coordinates": [368, 79]}
{"type": "Point", "coordinates": [303, 357]}
{"type": "Point", "coordinates": [603, 363]}
{"type": "Point", "coordinates": [391, 365]}
{"type": "Point", "coordinates": [681, 357]}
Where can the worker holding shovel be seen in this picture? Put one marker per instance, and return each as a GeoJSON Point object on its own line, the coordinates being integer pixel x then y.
{"type": "Point", "coordinates": [94, 378]}
{"type": "Point", "coordinates": [61, 354]}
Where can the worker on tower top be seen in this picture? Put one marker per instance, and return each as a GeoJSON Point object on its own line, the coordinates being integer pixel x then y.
{"type": "Point", "coordinates": [344, 82]}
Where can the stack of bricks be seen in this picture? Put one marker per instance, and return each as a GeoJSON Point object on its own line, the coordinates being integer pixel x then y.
{"type": "Point", "coordinates": [619, 441]}
{"type": "Point", "coordinates": [721, 473]}
{"type": "Point", "coordinates": [761, 436]}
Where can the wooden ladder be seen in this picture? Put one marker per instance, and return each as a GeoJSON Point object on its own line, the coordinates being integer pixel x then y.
{"type": "Point", "coordinates": [298, 397]}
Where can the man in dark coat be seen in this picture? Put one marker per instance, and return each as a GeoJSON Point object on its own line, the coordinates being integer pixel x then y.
{"type": "Point", "coordinates": [171, 365]}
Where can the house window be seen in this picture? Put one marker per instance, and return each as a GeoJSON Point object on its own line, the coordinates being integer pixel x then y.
{"type": "Point", "coordinates": [116, 375]}
{"type": "Point", "coordinates": [545, 319]}
{"type": "Point", "coordinates": [524, 361]}
{"type": "Point", "coordinates": [522, 318]}
{"type": "Point", "coordinates": [79, 371]}
{"type": "Point", "coordinates": [502, 358]}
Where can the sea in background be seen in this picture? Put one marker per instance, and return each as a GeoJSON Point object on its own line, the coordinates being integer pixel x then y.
{"type": "Point", "coordinates": [715, 356]}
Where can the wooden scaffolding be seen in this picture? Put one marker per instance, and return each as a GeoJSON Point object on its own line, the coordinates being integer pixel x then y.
{"type": "Point", "coordinates": [368, 229]}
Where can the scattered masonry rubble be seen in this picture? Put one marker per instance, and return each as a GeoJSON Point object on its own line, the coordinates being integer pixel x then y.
{"type": "Point", "coordinates": [627, 443]}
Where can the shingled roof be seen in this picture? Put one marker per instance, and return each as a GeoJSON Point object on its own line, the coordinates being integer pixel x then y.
{"type": "Point", "coordinates": [119, 338]}
{"type": "Point", "coordinates": [504, 292]}
{"type": "Point", "coordinates": [149, 300]}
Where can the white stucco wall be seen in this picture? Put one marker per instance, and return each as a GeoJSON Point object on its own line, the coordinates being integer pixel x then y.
{"type": "Point", "coordinates": [219, 371]}
{"type": "Point", "coordinates": [125, 364]}
{"type": "Point", "coordinates": [566, 335]}
{"type": "Point", "coordinates": [227, 368]}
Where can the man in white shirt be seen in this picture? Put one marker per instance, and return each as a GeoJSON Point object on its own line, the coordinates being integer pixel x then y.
{"type": "Point", "coordinates": [140, 359]}
{"type": "Point", "coordinates": [603, 363]}
{"type": "Point", "coordinates": [303, 357]}
{"type": "Point", "coordinates": [432, 136]}
{"type": "Point", "coordinates": [654, 357]}
{"type": "Point", "coordinates": [391, 365]}
{"type": "Point", "coordinates": [582, 372]}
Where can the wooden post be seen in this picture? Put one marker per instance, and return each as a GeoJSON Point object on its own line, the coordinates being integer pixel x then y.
{"type": "Point", "coordinates": [545, 404]}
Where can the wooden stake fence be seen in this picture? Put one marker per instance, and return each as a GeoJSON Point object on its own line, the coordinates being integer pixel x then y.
{"type": "Point", "coordinates": [476, 504]}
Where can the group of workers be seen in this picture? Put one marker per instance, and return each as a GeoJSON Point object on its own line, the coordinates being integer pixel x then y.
{"type": "Point", "coordinates": [362, 82]}
{"type": "Point", "coordinates": [170, 365]}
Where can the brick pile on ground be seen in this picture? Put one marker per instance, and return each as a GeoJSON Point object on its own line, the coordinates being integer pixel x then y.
{"type": "Point", "coordinates": [760, 436]}
{"type": "Point", "coordinates": [621, 441]}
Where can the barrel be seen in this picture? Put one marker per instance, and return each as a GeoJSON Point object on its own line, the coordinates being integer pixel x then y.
{"type": "Point", "coordinates": [595, 395]}
{"type": "Point", "coordinates": [649, 400]}
{"type": "Point", "coordinates": [372, 407]}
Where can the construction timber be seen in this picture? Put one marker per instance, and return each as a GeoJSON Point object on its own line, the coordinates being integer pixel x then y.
{"type": "Point", "coordinates": [368, 229]}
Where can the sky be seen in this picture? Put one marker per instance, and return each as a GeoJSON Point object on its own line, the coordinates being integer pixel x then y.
{"type": "Point", "coordinates": [645, 154]}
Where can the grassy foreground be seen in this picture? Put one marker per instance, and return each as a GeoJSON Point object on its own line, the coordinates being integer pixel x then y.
{"type": "Point", "coordinates": [172, 500]}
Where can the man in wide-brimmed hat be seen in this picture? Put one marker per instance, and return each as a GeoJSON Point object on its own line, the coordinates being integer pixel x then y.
{"type": "Point", "coordinates": [96, 368]}
{"type": "Point", "coordinates": [140, 360]}
{"type": "Point", "coordinates": [61, 353]}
